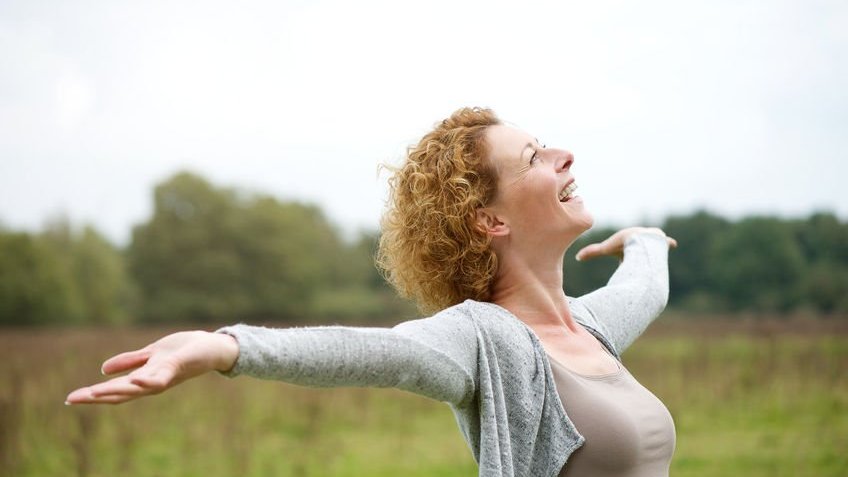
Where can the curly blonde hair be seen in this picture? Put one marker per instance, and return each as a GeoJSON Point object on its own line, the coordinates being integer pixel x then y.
{"type": "Point", "coordinates": [432, 249]}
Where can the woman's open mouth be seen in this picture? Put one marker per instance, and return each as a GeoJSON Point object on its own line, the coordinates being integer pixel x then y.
{"type": "Point", "coordinates": [567, 193]}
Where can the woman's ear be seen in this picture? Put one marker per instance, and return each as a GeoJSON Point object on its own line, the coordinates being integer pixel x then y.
{"type": "Point", "coordinates": [491, 223]}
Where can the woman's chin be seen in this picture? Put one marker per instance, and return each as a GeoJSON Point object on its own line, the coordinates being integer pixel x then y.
{"type": "Point", "coordinates": [584, 222]}
{"type": "Point", "coordinates": [579, 217]}
{"type": "Point", "coordinates": [590, 223]}
{"type": "Point", "coordinates": [577, 227]}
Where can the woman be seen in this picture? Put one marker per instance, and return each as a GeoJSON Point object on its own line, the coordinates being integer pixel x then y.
{"type": "Point", "coordinates": [479, 220]}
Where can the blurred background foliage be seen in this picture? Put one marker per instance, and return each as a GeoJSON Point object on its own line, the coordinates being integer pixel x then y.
{"type": "Point", "coordinates": [211, 254]}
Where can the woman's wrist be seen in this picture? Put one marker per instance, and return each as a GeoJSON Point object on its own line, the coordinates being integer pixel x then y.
{"type": "Point", "coordinates": [228, 356]}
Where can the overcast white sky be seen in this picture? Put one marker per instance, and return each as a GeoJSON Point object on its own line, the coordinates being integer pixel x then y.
{"type": "Point", "coordinates": [740, 107]}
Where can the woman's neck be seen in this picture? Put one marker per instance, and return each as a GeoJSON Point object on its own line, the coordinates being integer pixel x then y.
{"type": "Point", "coordinates": [533, 292]}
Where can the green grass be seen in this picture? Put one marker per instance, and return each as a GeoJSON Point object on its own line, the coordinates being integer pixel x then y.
{"type": "Point", "coordinates": [753, 401]}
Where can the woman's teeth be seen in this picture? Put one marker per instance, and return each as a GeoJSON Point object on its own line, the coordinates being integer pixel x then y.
{"type": "Point", "coordinates": [565, 194]}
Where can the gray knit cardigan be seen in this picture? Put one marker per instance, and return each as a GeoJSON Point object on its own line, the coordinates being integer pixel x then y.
{"type": "Point", "coordinates": [480, 359]}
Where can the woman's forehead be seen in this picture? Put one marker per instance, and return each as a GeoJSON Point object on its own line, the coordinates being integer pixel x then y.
{"type": "Point", "coordinates": [507, 144]}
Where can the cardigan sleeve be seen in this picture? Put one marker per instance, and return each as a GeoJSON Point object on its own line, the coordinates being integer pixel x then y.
{"type": "Point", "coordinates": [435, 357]}
{"type": "Point", "coordinates": [636, 293]}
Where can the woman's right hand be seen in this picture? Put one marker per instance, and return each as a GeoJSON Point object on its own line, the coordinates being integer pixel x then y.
{"type": "Point", "coordinates": [614, 245]}
{"type": "Point", "coordinates": [160, 366]}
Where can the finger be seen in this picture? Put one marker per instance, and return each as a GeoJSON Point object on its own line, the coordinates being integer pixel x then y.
{"type": "Point", "coordinates": [125, 361]}
{"type": "Point", "coordinates": [110, 399]}
{"type": "Point", "coordinates": [121, 386]}
{"type": "Point", "coordinates": [586, 252]}
{"type": "Point", "coordinates": [78, 396]}
{"type": "Point", "coordinates": [595, 250]}
{"type": "Point", "coordinates": [671, 242]}
{"type": "Point", "coordinates": [114, 399]}
{"type": "Point", "coordinates": [157, 378]}
{"type": "Point", "coordinates": [115, 390]}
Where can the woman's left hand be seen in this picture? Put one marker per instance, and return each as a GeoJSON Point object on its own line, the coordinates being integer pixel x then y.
{"type": "Point", "coordinates": [614, 245]}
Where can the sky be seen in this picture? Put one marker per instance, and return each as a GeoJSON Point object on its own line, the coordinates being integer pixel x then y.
{"type": "Point", "coordinates": [737, 107]}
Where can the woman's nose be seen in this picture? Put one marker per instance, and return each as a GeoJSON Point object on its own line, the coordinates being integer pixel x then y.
{"type": "Point", "coordinates": [564, 160]}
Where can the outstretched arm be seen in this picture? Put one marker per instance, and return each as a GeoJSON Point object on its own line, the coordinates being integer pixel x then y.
{"type": "Point", "coordinates": [435, 357]}
{"type": "Point", "coordinates": [638, 290]}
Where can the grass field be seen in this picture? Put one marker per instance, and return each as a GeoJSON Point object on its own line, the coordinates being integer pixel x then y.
{"type": "Point", "coordinates": [748, 398]}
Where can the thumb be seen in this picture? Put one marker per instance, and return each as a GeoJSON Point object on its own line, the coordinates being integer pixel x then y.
{"type": "Point", "coordinates": [588, 252]}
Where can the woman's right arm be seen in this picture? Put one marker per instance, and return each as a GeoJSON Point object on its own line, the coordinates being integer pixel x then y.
{"type": "Point", "coordinates": [435, 357]}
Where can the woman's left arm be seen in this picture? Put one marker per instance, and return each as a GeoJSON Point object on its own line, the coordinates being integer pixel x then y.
{"type": "Point", "coordinates": [638, 290]}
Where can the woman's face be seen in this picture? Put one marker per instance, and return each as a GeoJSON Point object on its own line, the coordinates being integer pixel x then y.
{"type": "Point", "coordinates": [535, 196]}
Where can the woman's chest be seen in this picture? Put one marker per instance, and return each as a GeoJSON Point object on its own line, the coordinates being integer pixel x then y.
{"type": "Point", "coordinates": [628, 430]}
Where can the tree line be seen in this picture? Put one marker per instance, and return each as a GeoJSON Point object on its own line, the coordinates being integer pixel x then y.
{"type": "Point", "coordinates": [756, 264]}
{"type": "Point", "coordinates": [212, 254]}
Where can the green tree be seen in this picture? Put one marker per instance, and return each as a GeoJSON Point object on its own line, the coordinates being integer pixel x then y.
{"type": "Point", "coordinates": [361, 293]}
{"type": "Point", "coordinates": [214, 254]}
{"type": "Point", "coordinates": [61, 276]}
{"type": "Point", "coordinates": [292, 253]}
{"type": "Point", "coordinates": [823, 237]}
{"type": "Point", "coordinates": [181, 259]}
{"type": "Point", "coordinates": [692, 286]}
{"type": "Point", "coordinates": [36, 287]}
{"type": "Point", "coordinates": [825, 287]}
{"type": "Point", "coordinates": [98, 281]}
{"type": "Point", "coordinates": [824, 243]}
{"type": "Point", "coordinates": [757, 264]}
{"type": "Point", "coordinates": [103, 283]}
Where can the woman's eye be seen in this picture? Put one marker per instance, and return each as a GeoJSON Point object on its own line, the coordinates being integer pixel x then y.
{"type": "Point", "coordinates": [536, 152]}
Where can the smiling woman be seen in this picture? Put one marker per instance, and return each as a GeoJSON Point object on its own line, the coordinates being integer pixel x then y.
{"type": "Point", "coordinates": [480, 216]}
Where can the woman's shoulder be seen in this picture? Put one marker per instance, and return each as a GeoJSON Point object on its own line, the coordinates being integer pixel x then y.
{"type": "Point", "coordinates": [471, 316]}
{"type": "Point", "coordinates": [496, 323]}
{"type": "Point", "coordinates": [494, 318]}
{"type": "Point", "coordinates": [581, 313]}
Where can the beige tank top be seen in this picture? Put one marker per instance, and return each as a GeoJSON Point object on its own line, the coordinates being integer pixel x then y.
{"type": "Point", "coordinates": [628, 430]}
